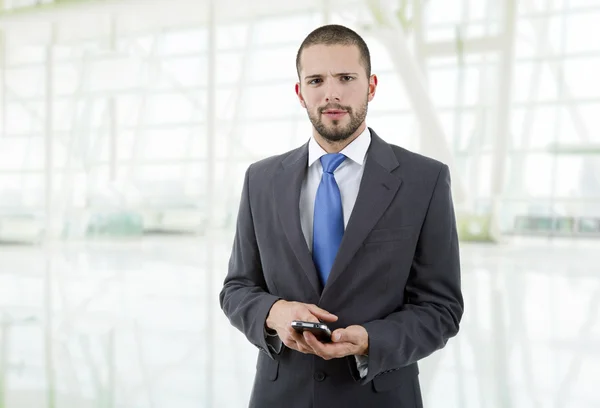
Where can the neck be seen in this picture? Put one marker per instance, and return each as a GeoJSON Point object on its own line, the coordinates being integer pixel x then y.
{"type": "Point", "coordinates": [336, 147]}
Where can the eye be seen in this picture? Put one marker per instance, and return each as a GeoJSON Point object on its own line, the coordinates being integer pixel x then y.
{"type": "Point", "coordinates": [347, 78]}
{"type": "Point", "coordinates": [313, 81]}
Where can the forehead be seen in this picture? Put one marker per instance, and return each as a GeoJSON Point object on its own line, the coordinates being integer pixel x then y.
{"type": "Point", "coordinates": [320, 59]}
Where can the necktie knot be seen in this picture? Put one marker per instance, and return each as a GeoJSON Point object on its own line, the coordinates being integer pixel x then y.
{"type": "Point", "coordinates": [331, 161]}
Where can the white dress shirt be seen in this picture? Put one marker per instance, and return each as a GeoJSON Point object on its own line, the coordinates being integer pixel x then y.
{"type": "Point", "coordinates": [347, 176]}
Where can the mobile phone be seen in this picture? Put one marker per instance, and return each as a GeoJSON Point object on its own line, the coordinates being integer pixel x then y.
{"type": "Point", "coordinates": [320, 330]}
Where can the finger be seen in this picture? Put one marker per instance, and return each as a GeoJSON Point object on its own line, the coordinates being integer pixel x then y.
{"type": "Point", "coordinates": [301, 347]}
{"type": "Point", "coordinates": [290, 343]}
{"type": "Point", "coordinates": [292, 332]}
{"type": "Point", "coordinates": [305, 348]}
{"type": "Point", "coordinates": [342, 336]}
{"type": "Point", "coordinates": [338, 336]}
{"type": "Point", "coordinates": [322, 314]}
{"type": "Point", "coordinates": [314, 344]}
{"type": "Point", "coordinates": [345, 336]}
{"type": "Point", "coordinates": [297, 336]}
{"type": "Point", "coordinates": [299, 339]}
{"type": "Point", "coordinates": [349, 338]}
{"type": "Point", "coordinates": [328, 351]}
{"type": "Point", "coordinates": [343, 350]}
{"type": "Point", "coordinates": [305, 315]}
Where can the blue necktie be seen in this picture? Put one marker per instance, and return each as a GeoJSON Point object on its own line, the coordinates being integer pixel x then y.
{"type": "Point", "coordinates": [328, 225]}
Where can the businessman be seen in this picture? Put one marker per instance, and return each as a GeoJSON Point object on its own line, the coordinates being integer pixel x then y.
{"type": "Point", "coordinates": [350, 231]}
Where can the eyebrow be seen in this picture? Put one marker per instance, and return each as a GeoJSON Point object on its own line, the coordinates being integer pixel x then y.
{"type": "Point", "coordinates": [335, 75]}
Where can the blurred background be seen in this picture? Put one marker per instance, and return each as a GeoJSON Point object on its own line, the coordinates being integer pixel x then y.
{"type": "Point", "coordinates": [125, 130]}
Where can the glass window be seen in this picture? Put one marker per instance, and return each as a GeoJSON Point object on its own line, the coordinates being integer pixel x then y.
{"type": "Point", "coordinates": [115, 74]}
{"type": "Point", "coordinates": [581, 29]}
{"type": "Point", "coordinates": [271, 65]}
{"type": "Point", "coordinates": [284, 29]}
{"type": "Point", "coordinates": [390, 94]}
{"type": "Point", "coordinates": [535, 81]}
{"type": "Point", "coordinates": [269, 102]}
{"type": "Point", "coordinates": [171, 108]}
{"type": "Point", "coordinates": [193, 40]}
{"type": "Point", "coordinates": [534, 127]}
{"type": "Point", "coordinates": [24, 117]}
{"type": "Point", "coordinates": [580, 77]}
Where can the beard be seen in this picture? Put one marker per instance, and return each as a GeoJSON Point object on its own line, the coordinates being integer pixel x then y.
{"type": "Point", "coordinates": [337, 132]}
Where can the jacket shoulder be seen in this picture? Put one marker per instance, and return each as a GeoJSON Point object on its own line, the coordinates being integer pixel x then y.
{"type": "Point", "coordinates": [417, 162]}
{"type": "Point", "coordinates": [269, 166]}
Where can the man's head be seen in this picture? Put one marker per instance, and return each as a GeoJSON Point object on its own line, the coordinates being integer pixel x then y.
{"type": "Point", "coordinates": [335, 81]}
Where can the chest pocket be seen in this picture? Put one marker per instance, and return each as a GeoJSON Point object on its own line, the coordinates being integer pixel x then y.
{"type": "Point", "coordinates": [389, 234]}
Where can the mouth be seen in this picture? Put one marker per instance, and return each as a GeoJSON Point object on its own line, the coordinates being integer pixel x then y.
{"type": "Point", "coordinates": [334, 113]}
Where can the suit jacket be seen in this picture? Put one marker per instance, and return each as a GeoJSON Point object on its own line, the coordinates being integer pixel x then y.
{"type": "Point", "coordinates": [397, 273]}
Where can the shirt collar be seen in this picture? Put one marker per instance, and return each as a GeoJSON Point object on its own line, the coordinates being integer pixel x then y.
{"type": "Point", "coordinates": [355, 151]}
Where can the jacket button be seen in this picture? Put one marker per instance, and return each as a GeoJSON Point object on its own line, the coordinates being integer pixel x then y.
{"type": "Point", "coordinates": [319, 376]}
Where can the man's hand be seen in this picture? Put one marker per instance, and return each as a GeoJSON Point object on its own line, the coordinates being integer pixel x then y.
{"type": "Point", "coordinates": [351, 341]}
{"type": "Point", "coordinates": [280, 319]}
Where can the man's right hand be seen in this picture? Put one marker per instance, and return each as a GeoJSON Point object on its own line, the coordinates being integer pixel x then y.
{"type": "Point", "coordinates": [282, 314]}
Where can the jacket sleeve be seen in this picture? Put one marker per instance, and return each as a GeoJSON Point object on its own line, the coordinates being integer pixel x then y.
{"type": "Point", "coordinates": [433, 300]}
{"type": "Point", "coordinates": [244, 297]}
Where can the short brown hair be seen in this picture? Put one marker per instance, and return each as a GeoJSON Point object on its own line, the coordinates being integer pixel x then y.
{"type": "Point", "coordinates": [334, 34]}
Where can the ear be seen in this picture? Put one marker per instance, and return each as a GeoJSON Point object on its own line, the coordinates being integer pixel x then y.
{"type": "Point", "coordinates": [372, 87]}
{"type": "Point", "coordinates": [299, 93]}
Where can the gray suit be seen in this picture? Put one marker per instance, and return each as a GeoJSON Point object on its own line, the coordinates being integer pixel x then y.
{"type": "Point", "coordinates": [397, 273]}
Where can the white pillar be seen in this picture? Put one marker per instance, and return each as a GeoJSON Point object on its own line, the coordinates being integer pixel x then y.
{"type": "Point", "coordinates": [326, 18]}
{"type": "Point", "coordinates": [48, 328]}
{"type": "Point", "coordinates": [112, 110]}
{"type": "Point", "coordinates": [419, 35]}
{"type": "Point", "coordinates": [503, 118]}
{"type": "Point", "coordinates": [3, 126]}
{"type": "Point", "coordinates": [4, 339]}
{"type": "Point", "coordinates": [111, 386]}
{"type": "Point", "coordinates": [48, 135]}
{"type": "Point", "coordinates": [210, 235]}
{"type": "Point", "coordinates": [49, 218]}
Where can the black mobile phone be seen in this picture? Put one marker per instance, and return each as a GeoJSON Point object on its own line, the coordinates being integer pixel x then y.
{"type": "Point", "coordinates": [320, 330]}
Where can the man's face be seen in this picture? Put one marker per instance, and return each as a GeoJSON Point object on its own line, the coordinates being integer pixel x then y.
{"type": "Point", "coordinates": [334, 89]}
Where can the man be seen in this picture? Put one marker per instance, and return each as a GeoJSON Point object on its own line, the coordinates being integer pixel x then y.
{"type": "Point", "coordinates": [348, 230]}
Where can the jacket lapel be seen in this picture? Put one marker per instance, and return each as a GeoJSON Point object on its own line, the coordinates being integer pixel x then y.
{"type": "Point", "coordinates": [286, 191]}
{"type": "Point", "coordinates": [378, 188]}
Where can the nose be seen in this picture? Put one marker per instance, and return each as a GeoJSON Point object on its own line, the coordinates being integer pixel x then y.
{"type": "Point", "coordinates": [332, 93]}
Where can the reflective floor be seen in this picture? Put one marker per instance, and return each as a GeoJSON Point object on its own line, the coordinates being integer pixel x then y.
{"type": "Point", "coordinates": [136, 324]}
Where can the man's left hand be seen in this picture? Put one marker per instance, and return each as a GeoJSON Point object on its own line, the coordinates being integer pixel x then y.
{"type": "Point", "coordinates": [351, 341]}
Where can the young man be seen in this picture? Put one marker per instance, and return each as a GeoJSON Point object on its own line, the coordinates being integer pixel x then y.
{"type": "Point", "coordinates": [350, 231]}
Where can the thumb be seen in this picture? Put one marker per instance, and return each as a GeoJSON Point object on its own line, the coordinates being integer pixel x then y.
{"type": "Point", "coordinates": [340, 335]}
